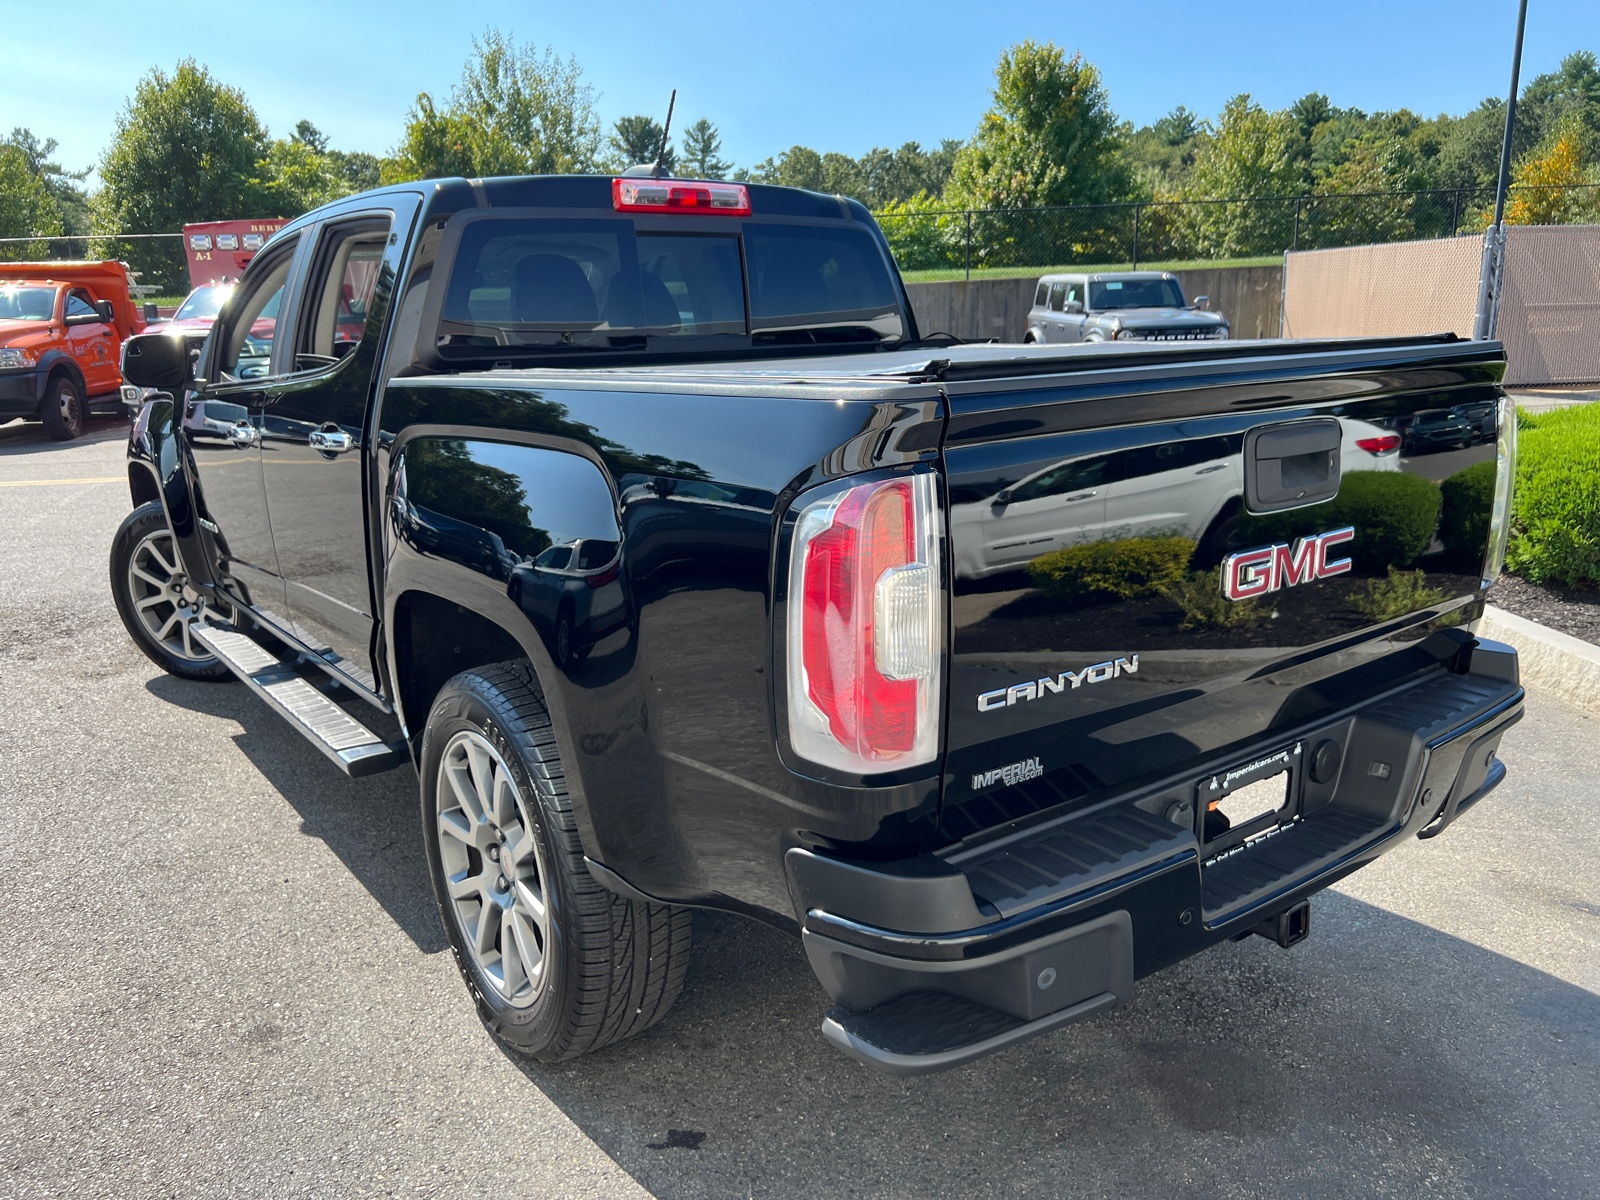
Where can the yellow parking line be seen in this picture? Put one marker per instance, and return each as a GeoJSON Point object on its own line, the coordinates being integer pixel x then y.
{"type": "Point", "coordinates": [51, 482]}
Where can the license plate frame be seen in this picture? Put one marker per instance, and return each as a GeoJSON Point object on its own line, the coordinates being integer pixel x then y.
{"type": "Point", "coordinates": [1251, 797]}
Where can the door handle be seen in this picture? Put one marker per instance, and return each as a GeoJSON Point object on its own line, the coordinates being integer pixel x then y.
{"type": "Point", "coordinates": [331, 441]}
{"type": "Point", "coordinates": [243, 434]}
{"type": "Point", "coordinates": [1083, 496]}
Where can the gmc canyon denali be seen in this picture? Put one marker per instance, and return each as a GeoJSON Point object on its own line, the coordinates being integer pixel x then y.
{"type": "Point", "coordinates": [641, 520]}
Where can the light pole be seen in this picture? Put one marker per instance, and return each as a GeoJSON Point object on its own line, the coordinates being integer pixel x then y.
{"type": "Point", "coordinates": [1494, 238]}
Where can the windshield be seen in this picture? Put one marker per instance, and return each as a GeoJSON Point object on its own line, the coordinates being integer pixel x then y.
{"type": "Point", "coordinates": [27, 303]}
{"type": "Point", "coordinates": [203, 302]}
{"type": "Point", "coordinates": [599, 283]}
{"type": "Point", "coordinates": [1136, 293]}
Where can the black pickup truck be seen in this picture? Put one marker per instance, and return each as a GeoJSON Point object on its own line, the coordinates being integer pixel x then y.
{"type": "Point", "coordinates": [644, 524]}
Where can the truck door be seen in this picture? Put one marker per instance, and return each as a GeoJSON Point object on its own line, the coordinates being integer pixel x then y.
{"type": "Point", "coordinates": [1005, 528]}
{"type": "Point", "coordinates": [315, 431]}
{"type": "Point", "coordinates": [1172, 487]}
{"type": "Point", "coordinates": [93, 344]}
{"type": "Point", "coordinates": [1072, 322]}
{"type": "Point", "coordinates": [1053, 329]}
{"type": "Point", "coordinates": [222, 427]}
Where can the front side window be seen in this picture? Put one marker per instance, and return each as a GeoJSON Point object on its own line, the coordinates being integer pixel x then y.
{"type": "Point", "coordinates": [341, 286]}
{"type": "Point", "coordinates": [1058, 295]}
{"type": "Point", "coordinates": [246, 352]}
{"type": "Point", "coordinates": [78, 306]}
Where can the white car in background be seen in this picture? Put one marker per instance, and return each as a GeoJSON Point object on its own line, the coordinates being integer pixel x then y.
{"type": "Point", "coordinates": [1187, 489]}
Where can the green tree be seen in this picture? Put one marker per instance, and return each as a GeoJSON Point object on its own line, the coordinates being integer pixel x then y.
{"type": "Point", "coordinates": [515, 111]}
{"type": "Point", "coordinates": [896, 176]}
{"type": "Point", "coordinates": [27, 208]}
{"type": "Point", "coordinates": [66, 187]}
{"type": "Point", "coordinates": [702, 152]}
{"type": "Point", "coordinates": [295, 178]}
{"type": "Point", "coordinates": [1162, 153]}
{"type": "Point", "coordinates": [1050, 137]}
{"type": "Point", "coordinates": [1250, 152]}
{"type": "Point", "coordinates": [635, 141]}
{"type": "Point", "coordinates": [309, 136]}
{"type": "Point", "coordinates": [185, 148]}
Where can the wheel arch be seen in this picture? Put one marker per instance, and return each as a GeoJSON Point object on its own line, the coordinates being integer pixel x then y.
{"type": "Point", "coordinates": [479, 628]}
{"type": "Point", "coordinates": [55, 364]}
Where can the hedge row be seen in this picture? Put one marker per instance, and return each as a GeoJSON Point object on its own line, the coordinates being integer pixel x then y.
{"type": "Point", "coordinates": [1555, 523]}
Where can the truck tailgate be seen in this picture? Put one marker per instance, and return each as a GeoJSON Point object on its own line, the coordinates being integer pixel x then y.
{"type": "Point", "coordinates": [1094, 516]}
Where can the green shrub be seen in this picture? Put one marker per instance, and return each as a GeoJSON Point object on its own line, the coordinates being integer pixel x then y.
{"type": "Point", "coordinates": [1556, 506]}
{"type": "Point", "coordinates": [1121, 569]}
{"type": "Point", "coordinates": [1467, 496]}
{"type": "Point", "coordinates": [1199, 595]}
{"type": "Point", "coordinates": [1403, 592]}
{"type": "Point", "coordinates": [1394, 516]}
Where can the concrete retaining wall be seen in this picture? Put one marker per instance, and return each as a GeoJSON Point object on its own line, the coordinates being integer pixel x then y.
{"type": "Point", "coordinates": [998, 308]}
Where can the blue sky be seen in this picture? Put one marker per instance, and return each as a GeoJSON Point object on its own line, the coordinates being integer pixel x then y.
{"type": "Point", "coordinates": [829, 75]}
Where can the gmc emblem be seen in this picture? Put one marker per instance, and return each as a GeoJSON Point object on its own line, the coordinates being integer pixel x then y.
{"type": "Point", "coordinates": [1251, 573]}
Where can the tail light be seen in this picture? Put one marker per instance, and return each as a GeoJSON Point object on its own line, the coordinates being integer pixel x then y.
{"type": "Point", "coordinates": [1379, 445]}
{"type": "Point", "coordinates": [865, 627]}
{"type": "Point", "coordinates": [677, 195]}
{"type": "Point", "coordinates": [1505, 478]}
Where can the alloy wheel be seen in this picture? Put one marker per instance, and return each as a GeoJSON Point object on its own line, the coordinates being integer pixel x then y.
{"type": "Point", "coordinates": [494, 870]}
{"type": "Point", "coordinates": [164, 602]}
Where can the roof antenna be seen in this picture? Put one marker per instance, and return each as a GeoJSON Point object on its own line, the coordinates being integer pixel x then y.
{"type": "Point", "coordinates": [655, 167]}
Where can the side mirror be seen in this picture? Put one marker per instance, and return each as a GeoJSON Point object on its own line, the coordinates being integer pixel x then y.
{"type": "Point", "coordinates": [157, 360]}
{"type": "Point", "coordinates": [151, 312]}
{"type": "Point", "coordinates": [1002, 499]}
{"type": "Point", "coordinates": [1201, 301]}
{"type": "Point", "coordinates": [1074, 306]}
{"type": "Point", "coordinates": [103, 307]}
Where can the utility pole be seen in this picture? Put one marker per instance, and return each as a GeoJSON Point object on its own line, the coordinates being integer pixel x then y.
{"type": "Point", "coordinates": [1494, 238]}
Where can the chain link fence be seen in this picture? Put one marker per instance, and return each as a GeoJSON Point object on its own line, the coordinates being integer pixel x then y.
{"type": "Point", "coordinates": [958, 244]}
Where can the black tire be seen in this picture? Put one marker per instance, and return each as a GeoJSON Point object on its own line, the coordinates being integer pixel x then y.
{"type": "Point", "coordinates": [64, 409]}
{"type": "Point", "coordinates": [144, 528]}
{"type": "Point", "coordinates": [610, 967]}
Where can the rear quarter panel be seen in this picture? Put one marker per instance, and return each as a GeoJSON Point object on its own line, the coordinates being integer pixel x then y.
{"type": "Point", "coordinates": [666, 724]}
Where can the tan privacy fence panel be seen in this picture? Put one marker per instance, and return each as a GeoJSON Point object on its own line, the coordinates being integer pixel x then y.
{"type": "Point", "coordinates": [1382, 291]}
{"type": "Point", "coordinates": [1549, 306]}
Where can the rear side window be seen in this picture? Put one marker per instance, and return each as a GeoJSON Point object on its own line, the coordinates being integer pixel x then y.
{"type": "Point", "coordinates": [806, 270]}
{"type": "Point", "coordinates": [1040, 295]}
{"type": "Point", "coordinates": [1058, 295]}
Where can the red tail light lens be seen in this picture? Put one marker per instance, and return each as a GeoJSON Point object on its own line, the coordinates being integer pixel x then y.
{"type": "Point", "coordinates": [678, 195]}
{"type": "Point", "coordinates": [1379, 445]}
{"type": "Point", "coordinates": [865, 623]}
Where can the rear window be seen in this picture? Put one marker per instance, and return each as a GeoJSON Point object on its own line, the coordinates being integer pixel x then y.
{"type": "Point", "coordinates": [560, 283]}
{"type": "Point", "coordinates": [804, 270]}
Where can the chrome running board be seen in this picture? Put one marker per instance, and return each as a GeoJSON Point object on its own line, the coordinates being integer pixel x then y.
{"type": "Point", "coordinates": [350, 745]}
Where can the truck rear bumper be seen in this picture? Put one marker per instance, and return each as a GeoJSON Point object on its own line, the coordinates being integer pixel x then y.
{"type": "Point", "coordinates": [940, 960]}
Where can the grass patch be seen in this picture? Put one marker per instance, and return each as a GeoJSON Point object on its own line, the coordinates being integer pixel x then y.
{"type": "Point", "coordinates": [939, 274]}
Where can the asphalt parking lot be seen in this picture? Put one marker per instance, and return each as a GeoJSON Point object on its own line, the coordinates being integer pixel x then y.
{"type": "Point", "coordinates": [223, 976]}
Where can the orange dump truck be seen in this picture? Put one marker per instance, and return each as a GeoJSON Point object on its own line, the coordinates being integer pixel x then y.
{"type": "Point", "coordinates": [62, 325]}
